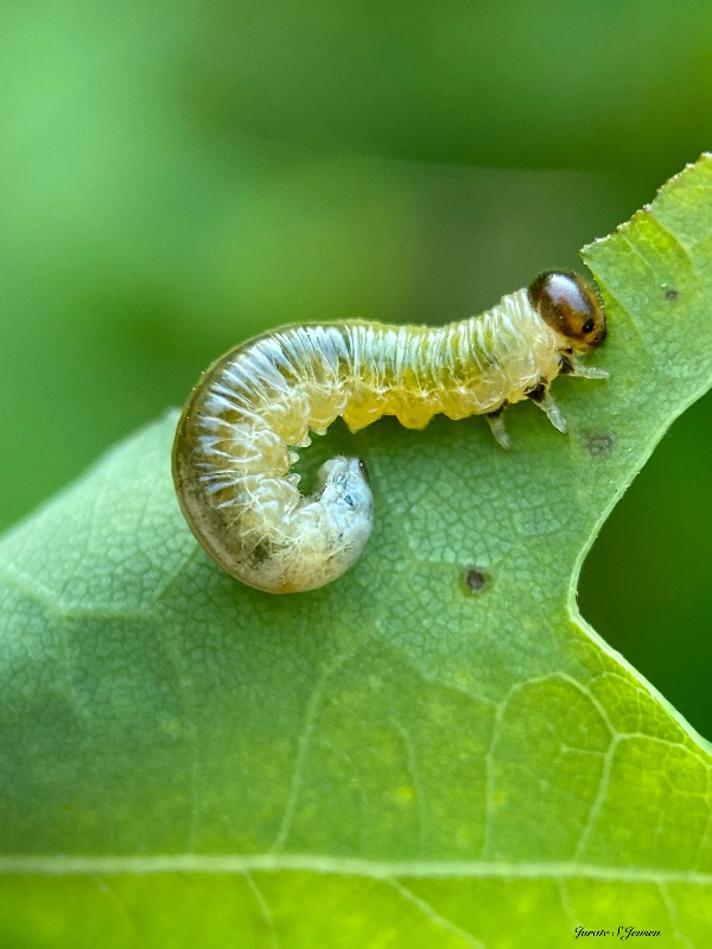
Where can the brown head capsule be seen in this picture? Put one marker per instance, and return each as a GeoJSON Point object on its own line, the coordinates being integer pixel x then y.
{"type": "Point", "coordinates": [569, 305]}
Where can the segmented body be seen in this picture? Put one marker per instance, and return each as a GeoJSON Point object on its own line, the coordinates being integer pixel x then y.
{"type": "Point", "coordinates": [237, 436]}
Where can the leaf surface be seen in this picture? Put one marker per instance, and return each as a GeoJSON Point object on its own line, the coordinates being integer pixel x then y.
{"type": "Point", "coordinates": [393, 760]}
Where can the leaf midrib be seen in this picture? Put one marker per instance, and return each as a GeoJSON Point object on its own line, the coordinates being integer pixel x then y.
{"type": "Point", "coordinates": [62, 865]}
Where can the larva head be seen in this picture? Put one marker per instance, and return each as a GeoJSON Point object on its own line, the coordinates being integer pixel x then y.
{"type": "Point", "coordinates": [569, 304]}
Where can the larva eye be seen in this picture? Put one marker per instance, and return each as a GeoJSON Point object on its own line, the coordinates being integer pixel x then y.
{"type": "Point", "coordinates": [569, 304]}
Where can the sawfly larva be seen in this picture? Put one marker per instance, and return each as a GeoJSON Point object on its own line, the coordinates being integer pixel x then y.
{"type": "Point", "coordinates": [251, 409]}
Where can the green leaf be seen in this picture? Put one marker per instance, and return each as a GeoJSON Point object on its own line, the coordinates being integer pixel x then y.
{"type": "Point", "coordinates": [393, 760]}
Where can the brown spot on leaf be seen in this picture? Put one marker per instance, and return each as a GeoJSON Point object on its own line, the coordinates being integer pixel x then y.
{"type": "Point", "coordinates": [475, 579]}
{"type": "Point", "coordinates": [671, 294]}
{"type": "Point", "coordinates": [600, 443]}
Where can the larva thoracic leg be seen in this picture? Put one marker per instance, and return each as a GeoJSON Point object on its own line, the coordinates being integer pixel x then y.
{"type": "Point", "coordinates": [552, 411]}
{"type": "Point", "coordinates": [495, 420]}
{"type": "Point", "coordinates": [587, 372]}
{"type": "Point", "coordinates": [237, 436]}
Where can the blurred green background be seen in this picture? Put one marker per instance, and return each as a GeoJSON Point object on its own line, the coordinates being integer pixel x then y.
{"type": "Point", "coordinates": [177, 176]}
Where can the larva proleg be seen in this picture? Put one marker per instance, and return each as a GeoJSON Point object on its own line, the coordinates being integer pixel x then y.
{"type": "Point", "coordinates": [236, 439]}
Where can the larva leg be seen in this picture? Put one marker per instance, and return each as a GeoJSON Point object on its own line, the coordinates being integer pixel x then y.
{"type": "Point", "coordinates": [588, 372]}
{"type": "Point", "coordinates": [570, 366]}
{"type": "Point", "coordinates": [545, 401]}
{"type": "Point", "coordinates": [495, 420]}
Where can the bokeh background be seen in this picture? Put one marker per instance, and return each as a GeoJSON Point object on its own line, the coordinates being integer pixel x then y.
{"type": "Point", "coordinates": [176, 176]}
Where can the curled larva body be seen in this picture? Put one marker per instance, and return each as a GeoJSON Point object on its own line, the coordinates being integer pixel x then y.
{"type": "Point", "coordinates": [237, 436]}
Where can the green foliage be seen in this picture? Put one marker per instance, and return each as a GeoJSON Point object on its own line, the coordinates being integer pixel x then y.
{"type": "Point", "coordinates": [392, 760]}
{"type": "Point", "coordinates": [177, 178]}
